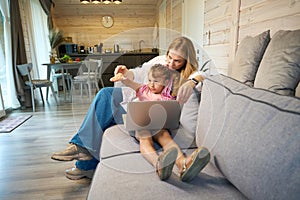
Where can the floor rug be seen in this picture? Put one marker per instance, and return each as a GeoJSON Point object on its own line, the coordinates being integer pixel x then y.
{"type": "Point", "coordinates": [9, 123]}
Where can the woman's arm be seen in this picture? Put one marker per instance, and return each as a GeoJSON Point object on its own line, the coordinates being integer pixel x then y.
{"type": "Point", "coordinates": [186, 88]}
{"type": "Point", "coordinates": [122, 69]}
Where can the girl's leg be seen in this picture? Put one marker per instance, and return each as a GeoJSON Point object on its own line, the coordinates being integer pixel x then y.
{"type": "Point", "coordinates": [166, 141]}
{"type": "Point", "coordinates": [147, 146]}
{"type": "Point", "coordinates": [164, 162]}
{"type": "Point", "coordinates": [189, 166]}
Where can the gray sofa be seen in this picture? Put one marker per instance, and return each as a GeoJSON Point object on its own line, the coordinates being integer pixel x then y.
{"type": "Point", "coordinates": [253, 134]}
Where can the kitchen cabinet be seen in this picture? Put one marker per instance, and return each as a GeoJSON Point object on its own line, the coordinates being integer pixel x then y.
{"type": "Point", "coordinates": [111, 60]}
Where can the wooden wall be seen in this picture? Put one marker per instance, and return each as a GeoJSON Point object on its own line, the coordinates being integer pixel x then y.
{"type": "Point", "coordinates": [228, 21]}
{"type": "Point", "coordinates": [130, 24]}
{"type": "Point", "coordinates": [173, 23]}
{"type": "Point", "coordinates": [174, 19]}
{"type": "Point", "coordinates": [217, 25]}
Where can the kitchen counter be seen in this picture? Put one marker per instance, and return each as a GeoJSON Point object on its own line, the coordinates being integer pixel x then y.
{"type": "Point", "coordinates": [112, 54]}
{"type": "Point", "coordinates": [111, 60]}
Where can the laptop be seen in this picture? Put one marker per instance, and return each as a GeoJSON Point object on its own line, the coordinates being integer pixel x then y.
{"type": "Point", "coordinates": [152, 115]}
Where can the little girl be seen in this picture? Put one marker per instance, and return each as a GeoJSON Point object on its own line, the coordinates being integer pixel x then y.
{"type": "Point", "coordinates": [160, 87]}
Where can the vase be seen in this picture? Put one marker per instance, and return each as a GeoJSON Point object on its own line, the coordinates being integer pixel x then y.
{"type": "Point", "coordinates": [52, 59]}
{"type": "Point", "coordinates": [53, 56]}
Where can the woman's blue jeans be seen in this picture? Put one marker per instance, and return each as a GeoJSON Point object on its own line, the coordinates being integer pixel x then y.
{"type": "Point", "coordinates": [104, 112]}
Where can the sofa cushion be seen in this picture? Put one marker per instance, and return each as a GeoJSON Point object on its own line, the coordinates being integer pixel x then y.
{"type": "Point", "coordinates": [253, 135]}
{"type": "Point", "coordinates": [188, 117]}
{"type": "Point", "coordinates": [132, 177]}
{"type": "Point", "coordinates": [117, 141]}
{"type": "Point", "coordinates": [248, 56]}
{"type": "Point", "coordinates": [279, 70]}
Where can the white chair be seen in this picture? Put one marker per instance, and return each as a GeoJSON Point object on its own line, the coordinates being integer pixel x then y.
{"type": "Point", "coordinates": [25, 70]}
{"type": "Point", "coordinates": [100, 70]}
{"type": "Point", "coordinates": [88, 75]}
{"type": "Point", "coordinates": [56, 76]}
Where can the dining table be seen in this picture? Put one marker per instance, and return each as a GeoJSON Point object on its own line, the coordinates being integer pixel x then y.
{"type": "Point", "coordinates": [63, 67]}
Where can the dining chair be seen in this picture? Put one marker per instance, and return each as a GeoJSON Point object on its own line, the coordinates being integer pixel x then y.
{"type": "Point", "coordinates": [88, 75]}
{"type": "Point", "coordinates": [100, 70]}
{"type": "Point", "coordinates": [25, 70]}
{"type": "Point", "coordinates": [56, 76]}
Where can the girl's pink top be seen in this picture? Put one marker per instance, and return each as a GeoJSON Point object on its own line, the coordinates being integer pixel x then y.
{"type": "Point", "coordinates": [144, 94]}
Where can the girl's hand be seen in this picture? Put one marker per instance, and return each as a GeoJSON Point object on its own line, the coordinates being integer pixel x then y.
{"type": "Point", "coordinates": [185, 92]}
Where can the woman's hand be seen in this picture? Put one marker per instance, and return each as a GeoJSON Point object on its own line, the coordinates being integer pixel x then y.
{"type": "Point", "coordinates": [117, 77]}
{"type": "Point", "coordinates": [121, 69]}
{"type": "Point", "coordinates": [185, 92]}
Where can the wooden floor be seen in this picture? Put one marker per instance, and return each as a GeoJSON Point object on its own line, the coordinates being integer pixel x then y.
{"type": "Point", "coordinates": [26, 169]}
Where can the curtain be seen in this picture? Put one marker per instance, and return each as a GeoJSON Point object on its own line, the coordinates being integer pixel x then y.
{"type": "Point", "coordinates": [38, 37]}
{"type": "Point", "coordinates": [11, 97]}
{"type": "Point", "coordinates": [47, 7]}
{"type": "Point", "coordinates": [18, 51]}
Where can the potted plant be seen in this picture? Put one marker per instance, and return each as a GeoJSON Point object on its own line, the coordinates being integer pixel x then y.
{"type": "Point", "coordinates": [55, 39]}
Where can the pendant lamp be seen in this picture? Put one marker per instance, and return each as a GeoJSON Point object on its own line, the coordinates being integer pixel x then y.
{"type": "Point", "coordinates": [117, 1]}
{"type": "Point", "coordinates": [84, 1]}
{"type": "Point", "coordinates": [106, 1]}
{"type": "Point", "coordinates": [96, 1]}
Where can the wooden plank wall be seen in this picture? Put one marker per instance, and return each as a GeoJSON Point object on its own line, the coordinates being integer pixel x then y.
{"type": "Point", "coordinates": [217, 25]}
{"type": "Point", "coordinates": [174, 19]}
{"type": "Point", "coordinates": [227, 22]}
{"type": "Point", "coordinates": [130, 24]}
{"type": "Point", "coordinates": [174, 10]}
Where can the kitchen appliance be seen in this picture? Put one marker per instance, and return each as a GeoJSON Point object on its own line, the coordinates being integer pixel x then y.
{"type": "Point", "coordinates": [90, 49]}
{"type": "Point", "coordinates": [81, 49]}
{"type": "Point", "coordinates": [116, 48]}
{"type": "Point", "coordinates": [99, 48]}
{"type": "Point", "coordinates": [67, 49]}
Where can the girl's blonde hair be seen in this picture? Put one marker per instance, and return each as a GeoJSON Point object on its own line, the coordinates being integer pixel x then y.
{"type": "Point", "coordinates": [160, 71]}
{"type": "Point", "coordinates": [185, 48]}
{"type": "Point", "coordinates": [165, 73]}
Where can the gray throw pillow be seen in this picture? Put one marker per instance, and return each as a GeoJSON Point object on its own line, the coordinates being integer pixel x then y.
{"type": "Point", "coordinates": [248, 56]}
{"type": "Point", "coordinates": [279, 70]}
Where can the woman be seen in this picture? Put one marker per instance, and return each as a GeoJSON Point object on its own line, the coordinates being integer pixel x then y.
{"type": "Point", "coordinates": [105, 110]}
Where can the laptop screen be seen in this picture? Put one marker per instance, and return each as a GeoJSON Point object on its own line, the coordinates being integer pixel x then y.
{"type": "Point", "coordinates": [152, 115]}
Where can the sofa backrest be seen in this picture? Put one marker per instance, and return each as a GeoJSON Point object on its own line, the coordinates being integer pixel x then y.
{"type": "Point", "coordinates": [254, 137]}
{"type": "Point", "coordinates": [269, 64]}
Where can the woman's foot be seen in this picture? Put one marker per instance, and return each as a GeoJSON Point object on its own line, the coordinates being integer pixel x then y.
{"type": "Point", "coordinates": [165, 163]}
{"type": "Point", "coordinates": [72, 152]}
{"type": "Point", "coordinates": [194, 164]}
{"type": "Point", "coordinates": [76, 174]}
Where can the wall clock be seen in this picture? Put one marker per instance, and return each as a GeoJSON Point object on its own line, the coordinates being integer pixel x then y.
{"type": "Point", "coordinates": [107, 21]}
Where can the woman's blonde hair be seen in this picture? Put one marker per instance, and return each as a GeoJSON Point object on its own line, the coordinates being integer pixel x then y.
{"type": "Point", "coordinates": [186, 49]}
